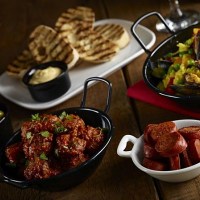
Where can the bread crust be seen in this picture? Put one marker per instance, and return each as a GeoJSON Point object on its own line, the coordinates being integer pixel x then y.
{"type": "Point", "coordinates": [21, 64]}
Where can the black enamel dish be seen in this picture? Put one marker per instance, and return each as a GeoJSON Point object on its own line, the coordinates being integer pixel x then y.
{"type": "Point", "coordinates": [52, 89]}
{"type": "Point", "coordinates": [168, 45]}
{"type": "Point", "coordinates": [91, 116]}
{"type": "Point", "coordinates": [6, 129]}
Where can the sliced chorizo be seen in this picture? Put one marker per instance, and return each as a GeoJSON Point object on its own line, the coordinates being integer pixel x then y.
{"type": "Point", "coordinates": [174, 162]}
{"type": "Point", "coordinates": [147, 133]}
{"type": "Point", "coordinates": [150, 152]}
{"type": "Point", "coordinates": [185, 159]}
{"type": "Point", "coordinates": [154, 164]}
{"type": "Point", "coordinates": [194, 150]}
{"type": "Point", "coordinates": [170, 144]}
{"type": "Point", "coordinates": [191, 132]}
{"type": "Point", "coordinates": [154, 131]}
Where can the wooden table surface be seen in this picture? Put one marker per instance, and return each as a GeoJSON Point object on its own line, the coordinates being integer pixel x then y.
{"type": "Point", "coordinates": [116, 177]}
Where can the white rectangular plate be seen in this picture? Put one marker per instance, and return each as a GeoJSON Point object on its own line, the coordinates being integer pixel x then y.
{"type": "Point", "coordinates": [14, 90]}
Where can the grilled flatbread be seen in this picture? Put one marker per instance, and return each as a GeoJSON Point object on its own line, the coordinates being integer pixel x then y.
{"type": "Point", "coordinates": [20, 64]}
{"type": "Point", "coordinates": [90, 45]}
{"type": "Point", "coordinates": [46, 45]}
{"type": "Point", "coordinates": [94, 48]}
{"type": "Point", "coordinates": [115, 33]}
{"type": "Point", "coordinates": [80, 15]}
{"type": "Point", "coordinates": [76, 27]}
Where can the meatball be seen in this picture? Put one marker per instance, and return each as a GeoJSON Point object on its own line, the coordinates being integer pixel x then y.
{"type": "Point", "coordinates": [30, 126]}
{"type": "Point", "coordinates": [68, 146]}
{"type": "Point", "coordinates": [77, 160]}
{"type": "Point", "coordinates": [50, 122]}
{"type": "Point", "coordinates": [74, 161]}
{"type": "Point", "coordinates": [36, 144]}
{"type": "Point", "coordinates": [38, 169]}
{"type": "Point", "coordinates": [74, 124]}
{"type": "Point", "coordinates": [14, 153]}
{"type": "Point", "coordinates": [94, 138]}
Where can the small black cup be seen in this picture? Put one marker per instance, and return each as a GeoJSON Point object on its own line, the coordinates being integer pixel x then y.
{"type": "Point", "coordinates": [52, 89]}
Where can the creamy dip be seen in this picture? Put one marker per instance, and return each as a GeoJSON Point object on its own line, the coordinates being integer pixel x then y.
{"type": "Point", "coordinates": [1, 114]}
{"type": "Point", "coordinates": [45, 75]}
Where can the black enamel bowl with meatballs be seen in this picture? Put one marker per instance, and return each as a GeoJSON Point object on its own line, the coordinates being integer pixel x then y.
{"type": "Point", "coordinates": [57, 151]}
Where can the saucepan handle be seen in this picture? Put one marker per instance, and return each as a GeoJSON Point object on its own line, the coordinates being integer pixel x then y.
{"type": "Point", "coordinates": [108, 99]}
{"type": "Point", "coordinates": [123, 144]}
{"type": "Point", "coordinates": [135, 24]}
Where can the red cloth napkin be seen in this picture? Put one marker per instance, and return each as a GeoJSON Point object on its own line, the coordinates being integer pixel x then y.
{"type": "Point", "coordinates": [142, 92]}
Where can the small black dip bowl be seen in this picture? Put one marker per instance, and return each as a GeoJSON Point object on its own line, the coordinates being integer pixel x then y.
{"type": "Point", "coordinates": [49, 90]}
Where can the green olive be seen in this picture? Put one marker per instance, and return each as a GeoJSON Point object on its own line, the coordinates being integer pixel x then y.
{"type": "Point", "coordinates": [1, 114]}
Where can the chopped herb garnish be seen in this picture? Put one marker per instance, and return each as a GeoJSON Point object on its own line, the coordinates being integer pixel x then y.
{"type": "Point", "coordinates": [28, 135]}
{"type": "Point", "coordinates": [45, 133]}
{"type": "Point", "coordinates": [60, 129]}
{"type": "Point", "coordinates": [69, 117]}
{"type": "Point", "coordinates": [35, 117]}
{"type": "Point", "coordinates": [63, 115]}
{"type": "Point", "coordinates": [43, 156]}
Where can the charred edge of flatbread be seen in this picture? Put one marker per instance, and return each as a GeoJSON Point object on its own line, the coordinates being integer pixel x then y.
{"type": "Point", "coordinates": [80, 14]}
{"type": "Point", "coordinates": [21, 63]}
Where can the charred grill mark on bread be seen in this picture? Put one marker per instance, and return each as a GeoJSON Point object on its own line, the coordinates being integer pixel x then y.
{"type": "Point", "coordinates": [109, 30]}
{"type": "Point", "coordinates": [90, 45]}
{"type": "Point", "coordinates": [45, 45]}
{"type": "Point", "coordinates": [115, 33]}
{"type": "Point", "coordinates": [21, 63]}
{"type": "Point", "coordinates": [79, 14]}
{"type": "Point", "coordinates": [95, 48]}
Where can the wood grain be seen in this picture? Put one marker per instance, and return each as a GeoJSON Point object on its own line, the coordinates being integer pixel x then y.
{"type": "Point", "coordinates": [116, 178]}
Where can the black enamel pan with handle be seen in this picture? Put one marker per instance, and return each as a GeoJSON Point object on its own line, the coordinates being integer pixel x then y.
{"type": "Point", "coordinates": [91, 116]}
{"type": "Point", "coordinates": [168, 45]}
